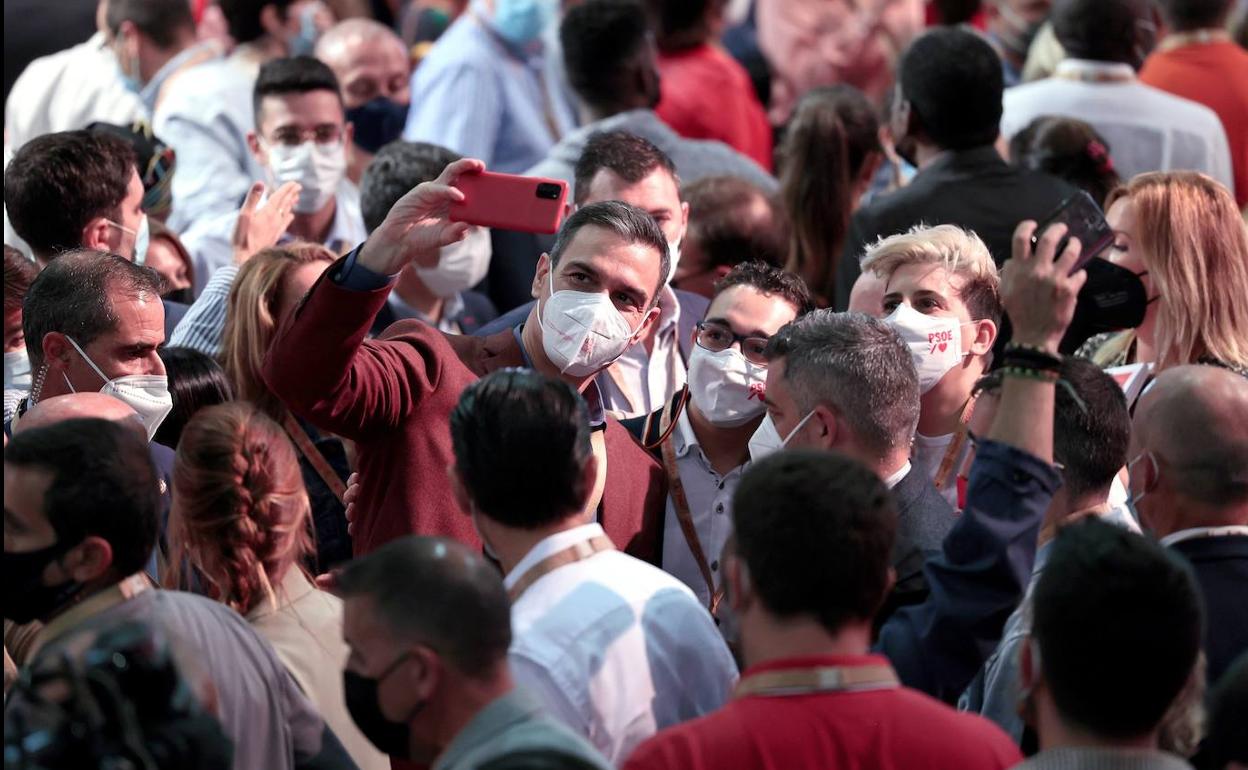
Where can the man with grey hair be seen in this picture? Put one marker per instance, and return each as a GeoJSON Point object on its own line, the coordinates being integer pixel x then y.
{"type": "Point", "coordinates": [846, 382]}
{"type": "Point", "coordinates": [1189, 482]}
{"type": "Point", "coordinates": [428, 624]}
{"type": "Point", "coordinates": [941, 294]}
{"type": "Point", "coordinates": [393, 395]}
{"type": "Point", "coordinates": [372, 67]}
{"type": "Point", "coordinates": [93, 322]}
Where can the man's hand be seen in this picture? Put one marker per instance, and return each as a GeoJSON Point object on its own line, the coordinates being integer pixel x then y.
{"type": "Point", "coordinates": [259, 227]}
{"type": "Point", "coordinates": [419, 224]}
{"type": "Point", "coordinates": [1038, 293]}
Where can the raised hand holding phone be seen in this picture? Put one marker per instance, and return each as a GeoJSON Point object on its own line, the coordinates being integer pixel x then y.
{"type": "Point", "coordinates": [419, 224]}
{"type": "Point", "coordinates": [1039, 287]}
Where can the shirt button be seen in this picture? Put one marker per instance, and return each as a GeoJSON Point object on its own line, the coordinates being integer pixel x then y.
{"type": "Point", "coordinates": [719, 508]}
{"type": "Point", "coordinates": [721, 485]}
{"type": "Point", "coordinates": [715, 566]}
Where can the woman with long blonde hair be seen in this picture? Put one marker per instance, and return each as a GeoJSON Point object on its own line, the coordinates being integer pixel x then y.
{"type": "Point", "coordinates": [1182, 234]}
{"type": "Point", "coordinates": [268, 288]}
{"type": "Point", "coordinates": [240, 524]}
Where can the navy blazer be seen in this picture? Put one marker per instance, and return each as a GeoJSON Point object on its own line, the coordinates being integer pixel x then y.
{"type": "Point", "coordinates": [1221, 567]}
{"type": "Point", "coordinates": [692, 311]}
{"type": "Point", "coordinates": [924, 518]}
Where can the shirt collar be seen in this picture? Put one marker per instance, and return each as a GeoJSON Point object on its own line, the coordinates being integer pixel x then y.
{"type": "Point", "coordinates": [896, 478]}
{"type": "Point", "coordinates": [1193, 533]}
{"type": "Point", "coordinates": [669, 311]}
{"type": "Point", "coordinates": [1094, 71]}
{"type": "Point", "coordinates": [500, 715]}
{"type": "Point", "coordinates": [293, 587]}
{"type": "Point", "coordinates": [343, 232]}
{"type": "Point", "coordinates": [93, 605]}
{"type": "Point", "coordinates": [549, 546]}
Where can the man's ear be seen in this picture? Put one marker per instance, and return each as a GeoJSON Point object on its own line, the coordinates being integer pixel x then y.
{"type": "Point", "coordinates": [89, 560]}
{"type": "Point", "coordinates": [348, 135]}
{"type": "Point", "coordinates": [740, 592]}
{"type": "Point", "coordinates": [652, 316]}
{"type": "Point", "coordinates": [825, 427]}
{"type": "Point", "coordinates": [56, 348]}
{"type": "Point", "coordinates": [424, 677]}
{"type": "Point", "coordinates": [96, 233]}
{"type": "Point", "coordinates": [539, 276]}
{"type": "Point", "coordinates": [684, 220]}
{"type": "Point", "coordinates": [985, 337]}
{"type": "Point", "coordinates": [257, 152]}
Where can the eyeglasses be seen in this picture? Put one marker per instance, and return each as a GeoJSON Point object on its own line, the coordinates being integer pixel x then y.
{"type": "Point", "coordinates": [716, 337]}
{"type": "Point", "coordinates": [293, 136]}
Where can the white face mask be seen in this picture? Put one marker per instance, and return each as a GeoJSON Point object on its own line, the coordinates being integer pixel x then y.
{"type": "Point", "coordinates": [142, 237]}
{"type": "Point", "coordinates": [766, 440]}
{"type": "Point", "coordinates": [147, 394]}
{"type": "Point", "coordinates": [318, 168]}
{"type": "Point", "coordinates": [935, 343]}
{"type": "Point", "coordinates": [726, 388]}
{"type": "Point", "coordinates": [461, 265]}
{"type": "Point", "coordinates": [17, 370]}
{"type": "Point", "coordinates": [582, 333]}
{"type": "Point", "coordinates": [673, 252]}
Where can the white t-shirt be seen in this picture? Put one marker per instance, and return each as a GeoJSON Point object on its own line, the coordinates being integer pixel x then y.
{"type": "Point", "coordinates": [927, 454]}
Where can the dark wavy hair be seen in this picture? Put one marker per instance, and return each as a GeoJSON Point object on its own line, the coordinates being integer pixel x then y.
{"type": "Point", "coordinates": [1068, 149]}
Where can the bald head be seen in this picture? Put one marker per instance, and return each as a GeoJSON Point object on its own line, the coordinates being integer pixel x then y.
{"type": "Point", "coordinates": [76, 406]}
{"type": "Point", "coordinates": [369, 60]}
{"type": "Point", "coordinates": [1195, 422]}
{"type": "Point", "coordinates": [437, 592]}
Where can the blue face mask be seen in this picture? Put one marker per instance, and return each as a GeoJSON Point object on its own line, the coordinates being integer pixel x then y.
{"type": "Point", "coordinates": [377, 123]}
{"type": "Point", "coordinates": [303, 43]}
{"type": "Point", "coordinates": [521, 22]}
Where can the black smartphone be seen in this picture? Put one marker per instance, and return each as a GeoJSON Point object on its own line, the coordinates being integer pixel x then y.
{"type": "Point", "coordinates": [1085, 221]}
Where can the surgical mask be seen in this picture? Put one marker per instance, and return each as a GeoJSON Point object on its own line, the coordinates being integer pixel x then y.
{"type": "Point", "coordinates": [17, 370]}
{"type": "Point", "coordinates": [147, 394]}
{"type": "Point", "coordinates": [673, 253]}
{"type": "Point", "coordinates": [303, 43]}
{"type": "Point", "coordinates": [726, 388]}
{"type": "Point", "coordinates": [26, 597]}
{"type": "Point", "coordinates": [1134, 497]}
{"type": "Point", "coordinates": [935, 343]}
{"type": "Point", "coordinates": [521, 22]}
{"type": "Point", "coordinates": [131, 82]}
{"type": "Point", "coordinates": [364, 705]}
{"type": "Point", "coordinates": [377, 123]}
{"type": "Point", "coordinates": [142, 238]}
{"type": "Point", "coordinates": [318, 168]}
{"type": "Point", "coordinates": [461, 265]}
{"type": "Point", "coordinates": [766, 440]}
{"type": "Point", "coordinates": [582, 333]}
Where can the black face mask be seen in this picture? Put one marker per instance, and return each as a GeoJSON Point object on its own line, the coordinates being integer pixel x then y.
{"type": "Point", "coordinates": [1112, 299]}
{"type": "Point", "coordinates": [26, 597]}
{"type": "Point", "coordinates": [393, 739]}
{"type": "Point", "coordinates": [184, 296]}
{"type": "Point", "coordinates": [377, 123]}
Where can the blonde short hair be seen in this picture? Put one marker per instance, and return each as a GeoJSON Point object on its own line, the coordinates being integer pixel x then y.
{"type": "Point", "coordinates": [960, 252]}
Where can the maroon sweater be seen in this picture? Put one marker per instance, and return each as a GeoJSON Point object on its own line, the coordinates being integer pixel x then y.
{"type": "Point", "coordinates": [393, 397]}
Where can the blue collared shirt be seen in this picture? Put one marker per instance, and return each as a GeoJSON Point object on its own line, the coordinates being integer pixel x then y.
{"type": "Point", "coordinates": [484, 98]}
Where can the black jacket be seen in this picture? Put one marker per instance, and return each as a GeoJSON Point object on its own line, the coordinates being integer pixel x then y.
{"type": "Point", "coordinates": [974, 189]}
{"type": "Point", "coordinates": [1221, 566]}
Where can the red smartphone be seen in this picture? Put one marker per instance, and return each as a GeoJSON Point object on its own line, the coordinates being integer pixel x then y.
{"type": "Point", "coordinates": [511, 202]}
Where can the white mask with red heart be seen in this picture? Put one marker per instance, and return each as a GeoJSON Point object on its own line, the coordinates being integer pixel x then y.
{"type": "Point", "coordinates": [935, 342]}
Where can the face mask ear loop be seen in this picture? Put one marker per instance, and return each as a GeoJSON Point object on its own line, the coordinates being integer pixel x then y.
{"type": "Point", "coordinates": [86, 358]}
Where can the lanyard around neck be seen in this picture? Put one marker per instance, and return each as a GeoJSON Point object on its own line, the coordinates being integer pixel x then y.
{"type": "Point", "coordinates": [570, 555]}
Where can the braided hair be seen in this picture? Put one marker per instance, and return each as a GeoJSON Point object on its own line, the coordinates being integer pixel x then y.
{"type": "Point", "coordinates": [241, 516]}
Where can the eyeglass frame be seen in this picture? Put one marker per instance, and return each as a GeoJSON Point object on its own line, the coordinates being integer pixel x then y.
{"type": "Point", "coordinates": [736, 338]}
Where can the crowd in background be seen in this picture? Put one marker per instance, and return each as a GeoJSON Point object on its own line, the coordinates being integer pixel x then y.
{"type": "Point", "coordinates": [881, 400]}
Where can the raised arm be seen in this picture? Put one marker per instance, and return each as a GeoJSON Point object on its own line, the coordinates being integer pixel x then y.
{"type": "Point", "coordinates": [986, 561]}
{"type": "Point", "coordinates": [321, 365]}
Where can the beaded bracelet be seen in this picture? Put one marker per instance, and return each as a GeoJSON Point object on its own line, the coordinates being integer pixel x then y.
{"type": "Point", "coordinates": [1030, 357]}
{"type": "Point", "coordinates": [1029, 373]}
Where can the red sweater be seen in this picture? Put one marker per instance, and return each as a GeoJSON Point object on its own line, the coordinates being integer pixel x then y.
{"type": "Point", "coordinates": [707, 94]}
{"type": "Point", "coordinates": [1216, 75]}
{"type": "Point", "coordinates": [393, 396]}
{"type": "Point", "coordinates": [887, 729]}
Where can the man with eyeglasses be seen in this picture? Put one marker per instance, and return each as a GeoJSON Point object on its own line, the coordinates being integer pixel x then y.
{"type": "Point", "coordinates": [702, 435]}
{"type": "Point", "coordinates": [301, 135]}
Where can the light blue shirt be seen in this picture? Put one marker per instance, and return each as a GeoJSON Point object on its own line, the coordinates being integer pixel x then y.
{"type": "Point", "coordinates": [205, 118]}
{"type": "Point", "coordinates": [484, 98]}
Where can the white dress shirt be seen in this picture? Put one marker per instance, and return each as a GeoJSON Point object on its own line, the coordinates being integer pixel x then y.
{"type": "Point", "coordinates": [1147, 129]}
{"type": "Point", "coordinates": [211, 244]}
{"type": "Point", "coordinates": [640, 383]}
{"type": "Point", "coordinates": [1194, 533]}
{"type": "Point", "coordinates": [68, 90]}
{"type": "Point", "coordinates": [205, 116]}
{"type": "Point", "coordinates": [710, 506]}
{"type": "Point", "coordinates": [615, 648]}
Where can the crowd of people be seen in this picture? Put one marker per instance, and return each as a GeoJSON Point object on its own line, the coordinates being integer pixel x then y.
{"type": "Point", "coordinates": [821, 434]}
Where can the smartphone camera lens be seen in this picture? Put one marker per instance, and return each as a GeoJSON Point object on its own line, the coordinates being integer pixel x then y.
{"type": "Point", "coordinates": [548, 191]}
